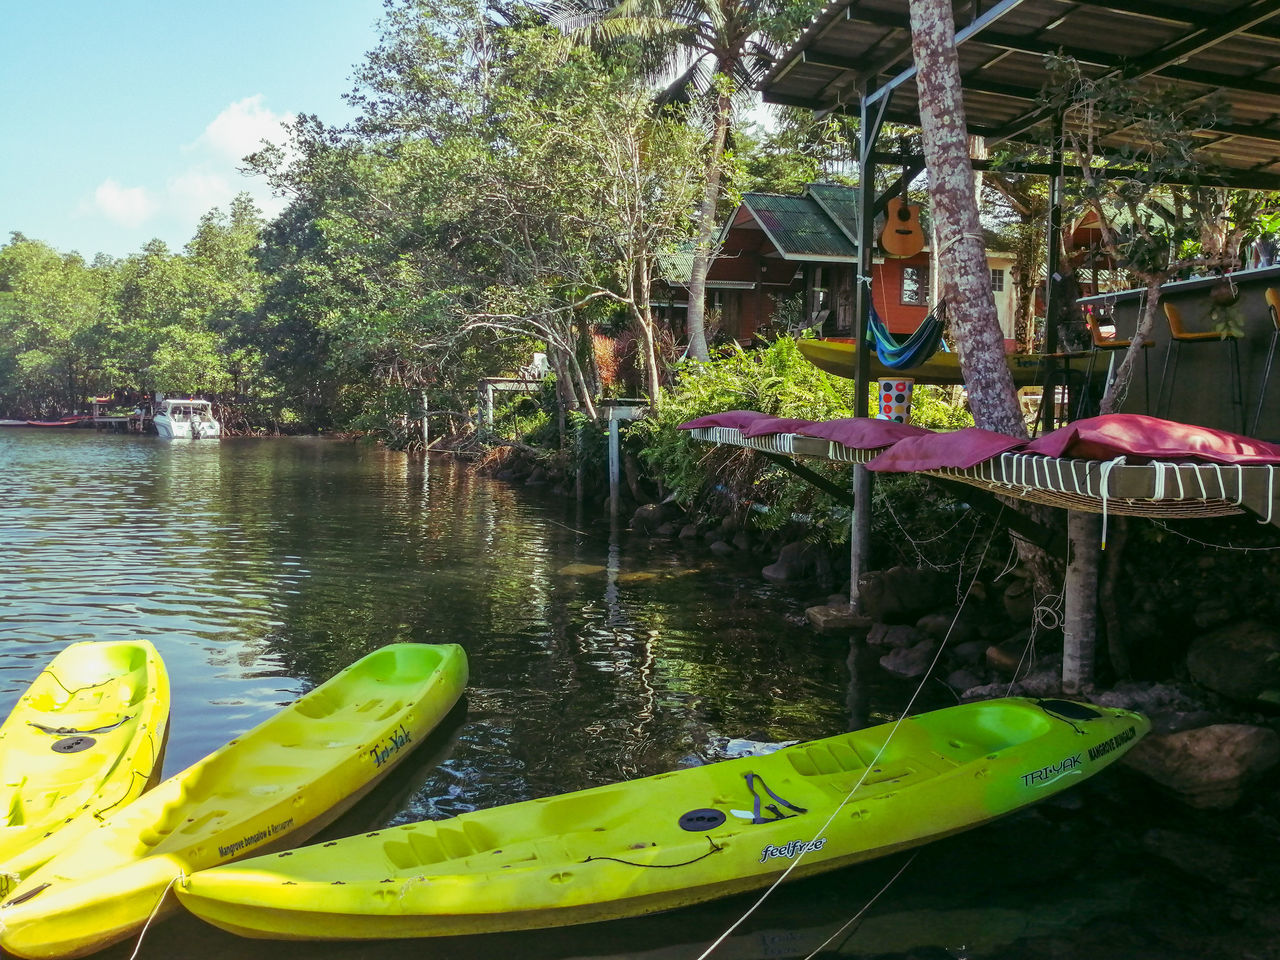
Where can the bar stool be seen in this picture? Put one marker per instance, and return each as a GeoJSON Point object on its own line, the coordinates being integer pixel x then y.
{"type": "Point", "coordinates": [1273, 306]}
{"type": "Point", "coordinates": [1178, 335]}
{"type": "Point", "coordinates": [1112, 345]}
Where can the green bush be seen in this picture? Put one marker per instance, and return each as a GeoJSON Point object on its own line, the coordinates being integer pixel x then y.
{"type": "Point", "coordinates": [779, 381]}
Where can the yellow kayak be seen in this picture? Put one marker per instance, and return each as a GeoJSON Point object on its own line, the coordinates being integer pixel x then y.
{"type": "Point", "coordinates": [268, 789]}
{"type": "Point", "coordinates": [839, 357]}
{"type": "Point", "coordinates": [674, 839]}
{"type": "Point", "coordinates": [84, 739]}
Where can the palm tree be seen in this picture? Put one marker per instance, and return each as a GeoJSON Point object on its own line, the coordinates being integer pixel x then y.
{"type": "Point", "coordinates": [714, 49]}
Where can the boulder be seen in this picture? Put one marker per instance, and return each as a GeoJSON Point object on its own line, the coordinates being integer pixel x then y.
{"type": "Point", "coordinates": [972, 653]}
{"type": "Point", "coordinates": [647, 519]}
{"type": "Point", "coordinates": [902, 594]}
{"type": "Point", "coordinates": [800, 560]}
{"type": "Point", "coordinates": [722, 549]}
{"type": "Point", "coordinates": [1209, 767]}
{"type": "Point", "coordinates": [910, 662]}
{"type": "Point", "coordinates": [1007, 656]}
{"type": "Point", "coordinates": [952, 626]}
{"type": "Point", "coordinates": [1170, 707]}
{"type": "Point", "coordinates": [963, 679]}
{"type": "Point", "coordinates": [689, 531]}
{"type": "Point", "coordinates": [1240, 661]}
{"type": "Point", "coordinates": [1019, 601]}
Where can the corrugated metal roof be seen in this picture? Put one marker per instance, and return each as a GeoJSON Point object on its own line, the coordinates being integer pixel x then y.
{"type": "Point", "coordinates": [841, 204]}
{"type": "Point", "coordinates": [1228, 47]}
{"type": "Point", "coordinates": [799, 228]}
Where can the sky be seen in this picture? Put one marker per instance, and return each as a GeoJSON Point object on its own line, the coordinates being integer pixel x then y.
{"type": "Point", "coordinates": [126, 120]}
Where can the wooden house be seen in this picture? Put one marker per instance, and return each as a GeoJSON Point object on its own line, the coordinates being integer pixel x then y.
{"type": "Point", "coordinates": [803, 250]}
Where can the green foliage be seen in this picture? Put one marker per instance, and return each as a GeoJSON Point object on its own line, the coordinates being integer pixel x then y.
{"type": "Point", "coordinates": [800, 150]}
{"type": "Point", "coordinates": [1155, 230]}
{"type": "Point", "coordinates": [938, 408]}
{"type": "Point", "coordinates": [776, 380]}
{"type": "Point", "coordinates": [53, 330]}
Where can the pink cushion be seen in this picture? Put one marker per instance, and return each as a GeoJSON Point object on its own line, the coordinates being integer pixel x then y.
{"type": "Point", "coordinates": [1143, 438]}
{"type": "Point", "coordinates": [770, 425]}
{"type": "Point", "coordinates": [737, 419]}
{"type": "Point", "coordinates": [935, 451]}
{"type": "Point", "coordinates": [862, 433]}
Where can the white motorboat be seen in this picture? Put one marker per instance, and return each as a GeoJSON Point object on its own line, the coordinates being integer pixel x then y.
{"type": "Point", "coordinates": [186, 420]}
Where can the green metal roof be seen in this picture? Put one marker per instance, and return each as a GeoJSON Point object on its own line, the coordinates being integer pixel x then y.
{"type": "Point", "coordinates": [841, 205]}
{"type": "Point", "coordinates": [799, 227]}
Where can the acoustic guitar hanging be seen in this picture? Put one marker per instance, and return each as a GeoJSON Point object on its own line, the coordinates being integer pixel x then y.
{"type": "Point", "coordinates": [902, 235]}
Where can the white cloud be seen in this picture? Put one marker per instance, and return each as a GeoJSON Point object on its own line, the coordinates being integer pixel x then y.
{"type": "Point", "coordinates": [241, 127]}
{"type": "Point", "coordinates": [127, 206]}
{"type": "Point", "coordinates": [202, 175]}
{"type": "Point", "coordinates": [192, 193]}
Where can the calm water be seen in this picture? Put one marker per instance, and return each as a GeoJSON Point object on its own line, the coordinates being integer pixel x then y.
{"type": "Point", "coordinates": [260, 568]}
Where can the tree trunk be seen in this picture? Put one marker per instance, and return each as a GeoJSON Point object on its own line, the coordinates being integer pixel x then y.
{"type": "Point", "coordinates": [1119, 385]}
{"type": "Point", "coordinates": [962, 249]}
{"type": "Point", "coordinates": [702, 252]}
{"type": "Point", "coordinates": [653, 386]}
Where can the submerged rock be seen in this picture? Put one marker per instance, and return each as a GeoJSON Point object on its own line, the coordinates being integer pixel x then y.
{"type": "Point", "coordinates": [836, 616]}
{"type": "Point", "coordinates": [910, 662]}
{"type": "Point", "coordinates": [722, 549]}
{"type": "Point", "coordinates": [895, 635]}
{"type": "Point", "coordinates": [801, 560]}
{"type": "Point", "coordinates": [580, 570]}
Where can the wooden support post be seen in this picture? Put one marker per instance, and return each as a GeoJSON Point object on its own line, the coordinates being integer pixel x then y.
{"type": "Point", "coordinates": [1080, 601]}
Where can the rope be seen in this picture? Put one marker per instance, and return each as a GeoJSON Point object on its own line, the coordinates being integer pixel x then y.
{"type": "Point", "coordinates": [1215, 546]}
{"type": "Point", "coordinates": [164, 893]}
{"type": "Point", "coordinates": [1271, 493]}
{"type": "Point", "coordinates": [874, 760]}
{"type": "Point", "coordinates": [957, 238]}
{"type": "Point", "coordinates": [858, 916]}
{"type": "Point", "coordinates": [1103, 476]}
{"type": "Point", "coordinates": [655, 866]}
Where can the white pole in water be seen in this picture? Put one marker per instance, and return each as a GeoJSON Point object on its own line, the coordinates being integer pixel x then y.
{"type": "Point", "coordinates": [1080, 603]}
{"type": "Point", "coordinates": [860, 533]}
{"type": "Point", "coordinates": [426, 432]}
{"type": "Point", "coordinates": [613, 465]}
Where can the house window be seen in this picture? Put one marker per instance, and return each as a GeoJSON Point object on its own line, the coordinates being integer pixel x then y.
{"type": "Point", "coordinates": [997, 280]}
{"type": "Point", "coordinates": [915, 286]}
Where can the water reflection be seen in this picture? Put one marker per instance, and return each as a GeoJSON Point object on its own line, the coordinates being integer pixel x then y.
{"type": "Point", "coordinates": [260, 568]}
